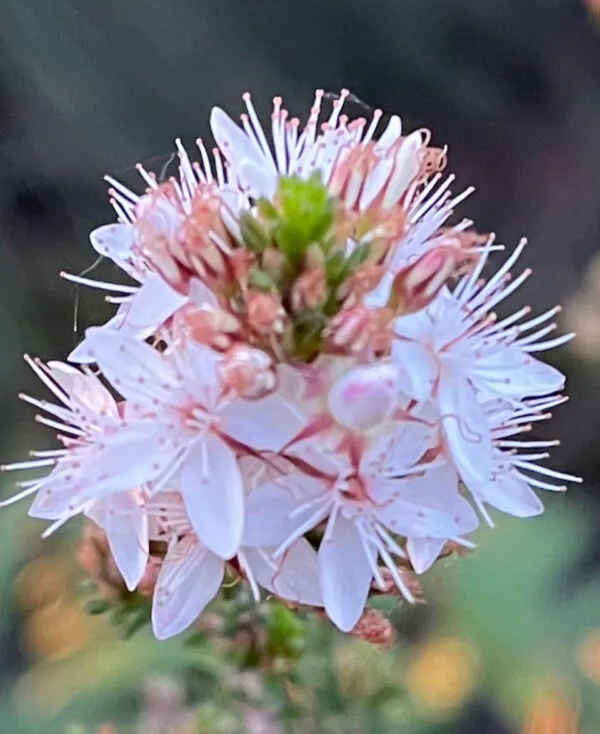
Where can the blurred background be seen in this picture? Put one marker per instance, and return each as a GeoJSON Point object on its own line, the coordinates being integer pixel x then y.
{"type": "Point", "coordinates": [509, 642]}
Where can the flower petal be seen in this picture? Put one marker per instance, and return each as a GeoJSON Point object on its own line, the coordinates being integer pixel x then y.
{"type": "Point", "coordinates": [423, 552]}
{"type": "Point", "coordinates": [428, 506]}
{"type": "Point", "coordinates": [294, 576]}
{"type": "Point", "coordinates": [509, 493]}
{"type": "Point", "coordinates": [150, 307]}
{"type": "Point", "coordinates": [129, 364]}
{"type": "Point", "coordinates": [267, 424]}
{"type": "Point", "coordinates": [395, 453]}
{"type": "Point", "coordinates": [116, 241]}
{"type": "Point", "coordinates": [137, 453]}
{"type": "Point", "coordinates": [345, 574]}
{"type": "Point", "coordinates": [213, 494]}
{"type": "Point", "coordinates": [240, 152]}
{"type": "Point", "coordinates": [511, 372]}
{"type": "Point", "coordinates": [126, 526]}
{"type": "Point", "coordinates": [189, 579]}
{"type": "Point", "coordinates": [418, 371]}
{"type": "Point", "coordinates": [269, 508]}
{"type": "Point", "coordinates": [466, 429]}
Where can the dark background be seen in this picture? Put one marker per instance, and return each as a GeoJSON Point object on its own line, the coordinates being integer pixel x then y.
{"type": "Point", "coordinates": [92, 87]}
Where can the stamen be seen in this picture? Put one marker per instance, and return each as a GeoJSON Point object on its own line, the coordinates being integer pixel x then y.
{"type": "Point", "coordinates": [32, 464]}
{"type": "Point", "coordinates": [245, 566]}
{"type": "Point", "coordinates": [366, 542]}
{"type": "Point", "coordinates": [21, 495]}
{"type": "Point", "coordinates": [149, 178]}
{"type": "Point", "coordinates": [258, 128]}
{"type": "Point", "coordinates": [100, 284]}
{"type": "Point", "coordinates": [206, 170]}
{"type": "Point", "coordinates": [393, 569]}
{"type": "Point", "coordinates": [551, 344]}
{"type": "Point", "coordinates": [311, 522]}
{"type": "Point", "coordinates": [483, 510]}
{"type": "Point", "coordinates": [547, 472]}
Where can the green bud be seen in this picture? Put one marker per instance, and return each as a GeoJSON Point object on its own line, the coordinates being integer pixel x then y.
{"type": "Point", "coordinates": [255, 237]}
{"type": "Point", "coordinates": [267, 210]}
{"type": "Point", "coordinates": [315, 257]}
{"type": "Point", "coordinates": [305, 215]}
{"type": "Point", "coordinates": [261, 281]}
{"type": "Point", "coordinates": [358, 257]}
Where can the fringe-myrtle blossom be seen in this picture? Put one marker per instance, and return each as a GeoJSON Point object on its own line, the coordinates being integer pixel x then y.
{"type": "Point", "coordinates": [307, 385]}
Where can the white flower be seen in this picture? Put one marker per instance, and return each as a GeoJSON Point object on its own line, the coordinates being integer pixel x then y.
{"type": "Point", "coordinates": [145, 308]}
{"type": "Point", "coordinates": [365, 497]}
{"type": "Point", "coordinates": [368, 174]}
{"type": "Point", "coordinates": [182, 425]}
{"type": "Point", "coordinates": [308, 480]}
{"type": "Point", "coordinates": [510, 487]}
{"type": "Point", "coordinates": [84, 416]}
{"type": "Point", "coordinates": [455, 352]}
{"type": "Point", "coordinates": [191, 575]}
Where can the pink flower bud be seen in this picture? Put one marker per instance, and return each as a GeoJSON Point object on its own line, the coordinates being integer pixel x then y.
{"type": "Point", "coordinates": [248, 372]}
{"type": "Point", "coordinates": [365, 397]}
{"type": "Point", "coordinates": [265, 313]}
{"type": "Point", "coordinates": [416, 286]}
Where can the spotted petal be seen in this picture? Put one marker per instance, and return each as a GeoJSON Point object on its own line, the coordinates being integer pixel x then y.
{"type": "Point", "coordinates": [345, 574]}
{"type": "Point", "coordinates": [189, 579]}
{"type": "Point", "coordinates": [293, 577]}
{"type": "Point", "coordinates": [213, 494]}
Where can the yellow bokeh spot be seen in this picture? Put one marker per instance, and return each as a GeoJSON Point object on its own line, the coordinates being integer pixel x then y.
{"type": "Point", "coordinates": [42, 581]}
{"type": "Point", "coordinates": [588, 656]}
{"type": "Point", "coordinates": [58, 629]}
{"type": "Point", "coordinates": [442, 675]}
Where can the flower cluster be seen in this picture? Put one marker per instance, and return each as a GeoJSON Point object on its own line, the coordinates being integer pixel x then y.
{"type": "Point", "coordinates": [308, 388]}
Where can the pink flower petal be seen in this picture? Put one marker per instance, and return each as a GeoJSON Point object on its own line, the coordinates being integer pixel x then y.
{"type": "Point", "coordinates": [128, 364]}
{"type": "Point", "coordinates": [426, 506]}
{"type": "Point", "coordinates": [116, 241]}
{"type": "Point", "coordinates": [418, 370]}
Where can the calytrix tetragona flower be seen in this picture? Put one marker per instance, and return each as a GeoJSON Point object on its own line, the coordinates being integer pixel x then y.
{"type": "Point", "coordinates": [306, 388]}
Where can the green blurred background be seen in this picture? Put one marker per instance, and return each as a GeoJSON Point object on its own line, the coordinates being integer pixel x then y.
{"type": "Point", "coordinates": [509, 642]}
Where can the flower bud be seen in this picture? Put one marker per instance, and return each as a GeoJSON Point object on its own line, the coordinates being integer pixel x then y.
{"type": "Point", "coordinates": [265, 313]}
{"type": "Point", "coordinates": [209, 325]}
{"type": "Point", "coordinates": [356, 328]}
{"type": "Point", "coordinates": [274, 263]}
{"type": "Point", "coordinates": [309, 292]}
{"type": "Point", "coordinates": [417, 285]}
{"type": "Point", "coordinates": [248, 372]}
{"type": "Point", "coordinates": [364, 397]}
{"type": "Point", "coordinates": [373, 627]}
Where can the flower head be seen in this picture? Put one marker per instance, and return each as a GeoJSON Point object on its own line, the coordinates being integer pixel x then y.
{"type": "Point", "coordinates": [307, 388]}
